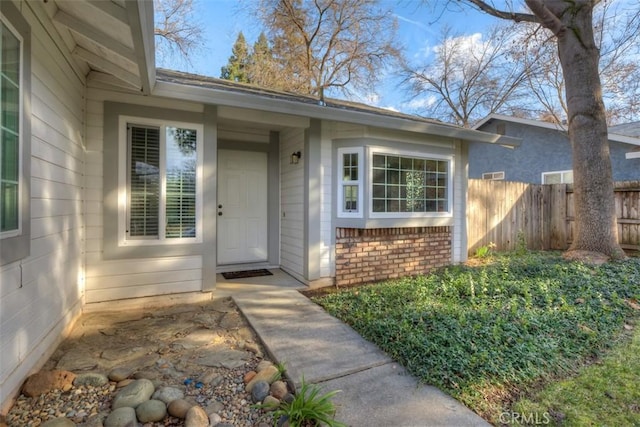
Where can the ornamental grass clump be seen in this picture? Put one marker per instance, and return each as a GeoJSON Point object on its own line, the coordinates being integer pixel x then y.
{"type": "Point", "coordinates": [309, 408]}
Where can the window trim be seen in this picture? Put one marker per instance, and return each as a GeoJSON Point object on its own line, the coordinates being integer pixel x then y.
{"type": "Point", "coordinates": [123, 155]}
{"type": "Point", "coordinates": [416, 155]}
{"type": "Point", "coordinates": [16, 244]}
{"type": "Point", "coordinates": [360, 182]}
{"type": "Point", "coordinates": [561, 172]}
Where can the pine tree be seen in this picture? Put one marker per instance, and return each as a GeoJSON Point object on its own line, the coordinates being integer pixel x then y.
{"type": "Point", "coordinates": [236, 68]}
{"type": "Point", "coordinates": [262, 70]}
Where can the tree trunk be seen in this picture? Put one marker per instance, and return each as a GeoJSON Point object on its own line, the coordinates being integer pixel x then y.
{"type": "Point", "coordinates": [595, 217]}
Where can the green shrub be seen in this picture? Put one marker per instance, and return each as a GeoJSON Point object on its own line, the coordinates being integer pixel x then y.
{"type": "Point", "coordinates": [309, 408]}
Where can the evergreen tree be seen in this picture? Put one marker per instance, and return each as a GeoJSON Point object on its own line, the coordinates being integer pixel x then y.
{"type": "Point", "coordinates": [236, 68]}
{"type": "Point", "coordinates": [262, 66]}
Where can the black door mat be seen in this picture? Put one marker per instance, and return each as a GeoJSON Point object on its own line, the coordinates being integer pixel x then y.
{"type": "Point", "coordinates": [246, 273]}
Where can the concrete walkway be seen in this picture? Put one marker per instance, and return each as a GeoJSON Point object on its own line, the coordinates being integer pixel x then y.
{"type": "Point", "coordinates": [374, 391]}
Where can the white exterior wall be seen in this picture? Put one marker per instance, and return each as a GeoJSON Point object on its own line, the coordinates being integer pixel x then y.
{"type": "Point", "coordinates": [41, 295]}
{"type": "Point", "coordinates": [459, 244]}
{"type": "Point", "coordinates": [327, 197]}
{"type": "Point", "coordinates": [109, 280]}
{"type": "Point", "coordinates": [292, 203]}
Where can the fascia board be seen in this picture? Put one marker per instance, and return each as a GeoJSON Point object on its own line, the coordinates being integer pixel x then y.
{"type": "Point", "coordinates": [140, 14]}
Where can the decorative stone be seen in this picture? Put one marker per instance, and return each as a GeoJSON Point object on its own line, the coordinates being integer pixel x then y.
{"type": "Point", "coordinates": [224, 358]}
{"type": "Point", "coordinates": [121, 417]}
{"type": "Point", "coordinates": [278, 389]}
{"type": "Point", "coordinates": [259, 391]}
{"type": "Point", "coordinates": [196, 417]}
{"type": "Point", "coordinates": [208, 377]}
{"type": "Point", "coordinates": [249, 376]}
{"type": "Point", "coordinates": [263, 364]}
{"type": "Point", "coordinates": [214, 407]}
{"type": "Point", "coordinates": [179, 408]}
{"type": "Point", "coordinates": [45, 381]}
{"type": "Point", "coordinates": [271, 403]}
{"type": "Point", "coordinates": [134, 394]}
{"type": "Point", "coordinates": [168, 394]}
{"type": "Point", "coordinates": [268, 374]}
{"type": "Point", "coordinates": [120, 373]}
{"type": "Point", "coordinates": [59, 422]}
{"type": "Point", "coordinates": [214, 419]}
{"type": "Point", "coordinates": [151, 411]}
{"type": "Point", "coordinates": [288, 398]}
{"type": "Point", "coordinates": [124, 383]}
{"type": "Point", "coordinates": [94, 379]}
{"type": "Point", "coordinates": [253, 348]}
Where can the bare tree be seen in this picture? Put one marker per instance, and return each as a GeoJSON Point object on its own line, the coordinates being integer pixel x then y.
{"type": "Point", "coordinates": [617, 34]}
{"type": "Point", "coordinates": [177, 31]}
{"type": "Point", "coordinates": [469, 77]}
{"type": "Point", "coordinates": [321, 45]}
{"type": "Point", "coordinates": [571, 23]}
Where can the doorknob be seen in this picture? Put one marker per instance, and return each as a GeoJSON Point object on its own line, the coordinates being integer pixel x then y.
{"type": "Point", "coordinates": [219, 213]}
{"type": "Point", "coordinates": [219, 206]}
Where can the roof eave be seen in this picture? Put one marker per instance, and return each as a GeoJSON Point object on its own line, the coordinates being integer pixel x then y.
{"type": "Point", "coordinates": [140, 14]}
{"type": "Point", "coordinates": [256, 102]}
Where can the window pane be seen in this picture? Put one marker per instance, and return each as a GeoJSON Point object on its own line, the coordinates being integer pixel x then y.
{"type": "Point", "coordinates": [10, 139]}
{"type": "Point", "coordinates": [10, 55]}
{"type": "Point", "coordinates": [144, 181]}
{"type": "Point", "coordinates": [9, 206]}
{"type": "Point", "coordinates": [10, 105]}
{"type": "Point", "coordinates": [552, 178]}
{"type": "Point", "coordinates": [410, 185]}
{"type": "Point", "coordinates": [379, 161]}
{"type": "Point", "coordinates": [350, 198]}
{"type": "Point", "coordinates": [181, 182]}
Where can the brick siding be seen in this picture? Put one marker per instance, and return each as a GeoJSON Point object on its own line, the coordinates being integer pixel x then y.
{"type": "Point", "coordinates": [385, 253]}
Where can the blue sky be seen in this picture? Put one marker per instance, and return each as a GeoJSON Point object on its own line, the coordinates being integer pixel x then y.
{"type": "Point", "coordinates": [418, 30]}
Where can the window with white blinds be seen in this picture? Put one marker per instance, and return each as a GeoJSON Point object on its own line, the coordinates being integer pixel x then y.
{"type": "Point", "coordinates": [163, 186]}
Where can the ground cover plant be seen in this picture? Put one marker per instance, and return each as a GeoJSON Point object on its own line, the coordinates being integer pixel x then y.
{"type": "Point", "coordinates": [490, 333]}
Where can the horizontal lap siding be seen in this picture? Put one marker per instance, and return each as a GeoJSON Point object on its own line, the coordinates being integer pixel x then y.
{"type": "Point", "coordinates": [292, 203]}
{"type": "Point", "coordinates": [42, 294]}
{"type": "Point", "coordinates": [326, 225]}
{"type": "Point", "coordinates": [109, 280]}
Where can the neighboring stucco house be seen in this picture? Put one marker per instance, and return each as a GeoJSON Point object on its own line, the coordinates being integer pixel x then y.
{"type": "Point", "coordinates": [121, 181]}
{"type": "Point", "coordinates": [544, 156]}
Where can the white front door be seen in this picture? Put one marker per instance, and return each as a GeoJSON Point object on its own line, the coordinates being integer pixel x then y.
{"type": "Point", "coordinates": [242, 207]}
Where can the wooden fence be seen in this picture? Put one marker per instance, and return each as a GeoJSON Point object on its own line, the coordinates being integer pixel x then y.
{"type": "Point", "coordinates": [542, 216]}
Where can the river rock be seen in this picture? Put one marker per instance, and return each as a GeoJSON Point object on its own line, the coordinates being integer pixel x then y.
{"type": "Point", "coordinates": [196, 417]}
{"type": "Point", "coordinates": [59, 422]}
{"type": "Point", "coordinates": [134, 394]}
{"type": "Point", "coordinates": [278, 389]}
{"type": "Point", "coordinates": [151, 411]}
{"type": "Point", "coordinates": [270, 403]}
{"type": "Point", "coordinates": [168, 394]}
{"type": "Point", "coordinates": [45, 381]}
{"type": "Point", "coordinates": [121, 417]}
{"type": "Point", "coordinates": [268, 374]}
{"type": "Point", "coordinates": [121, 373]}
{"type": "Point", "coordinates": [259, 391]}
{"type": "Point", "coordinates": [179, 408]}
{"type": "Point", "coordinates": [94, 379]}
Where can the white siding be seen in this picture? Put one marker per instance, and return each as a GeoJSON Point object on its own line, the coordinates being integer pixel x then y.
{"type": "Point", "coordinates": [459, 246]}
{"type": "Point", "coordinates": [40, 296]}
{"type": "Point", "coordinates": [292, 203]}
{"type": "Point", "coordinates": [327, 251]}
{"type": "Point", "coordinates": [109, 280]}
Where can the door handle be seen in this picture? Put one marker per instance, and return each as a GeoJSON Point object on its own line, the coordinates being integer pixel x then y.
{"type": "Point", "coordinates": [219, 206]}
{"type": "Point", "coordinates": [219, 213]}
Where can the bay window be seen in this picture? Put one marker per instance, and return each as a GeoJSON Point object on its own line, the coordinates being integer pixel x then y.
{"type": "Point", "coordinates": [409, 185]}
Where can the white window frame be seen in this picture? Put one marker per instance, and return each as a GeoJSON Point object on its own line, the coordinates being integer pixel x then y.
{"type": "Point", "coordinates": [416, 155]}
{"type": "Point", "coordinates": [562, 173]}
{"type": "Point", "coordinates": [342, 213]}
{"type": "Point", "coordinates": [493, 176]}
{"type": "Point", "coordinates": [21, 183]}
{"type": "Point", "coordinates": [123, 155]}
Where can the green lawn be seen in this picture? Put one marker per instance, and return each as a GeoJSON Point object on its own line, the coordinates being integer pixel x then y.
{"type": "Point", "coordinates": [491, 334]}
